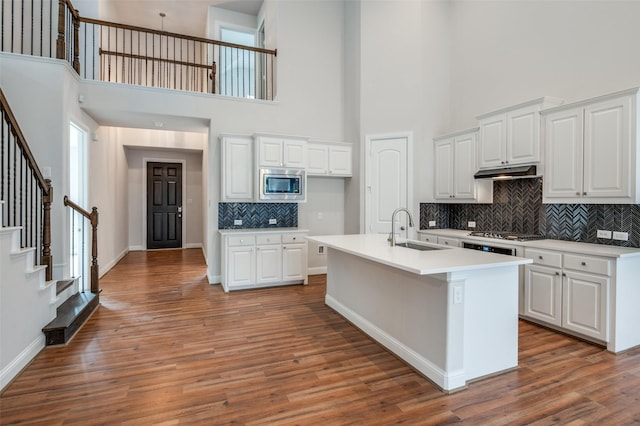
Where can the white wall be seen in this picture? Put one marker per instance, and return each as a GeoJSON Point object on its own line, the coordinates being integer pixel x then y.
{"type": "Point", "coordinates": [504, 53]}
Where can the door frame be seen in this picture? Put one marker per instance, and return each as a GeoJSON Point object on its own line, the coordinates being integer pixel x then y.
{"type": "Point", "coordinates": [365, 218]}
{"type": "Point", "coordinates": [145, 161]}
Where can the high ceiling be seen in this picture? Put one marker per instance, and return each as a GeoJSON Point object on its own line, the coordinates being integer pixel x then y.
{"type": "Point", "coordinates": [182, 16]}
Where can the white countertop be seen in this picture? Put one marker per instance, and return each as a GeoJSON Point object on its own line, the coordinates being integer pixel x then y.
{"type": "Point", "coordinates": [548, 244]}
{"type": "Point", "coordinates": [376, 248]}
{"type": "Point", "coordinates": [260, 231]}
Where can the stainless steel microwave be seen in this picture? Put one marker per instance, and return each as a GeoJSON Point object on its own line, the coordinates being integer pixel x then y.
{"type": "Point", "coordinates": [282, 185]}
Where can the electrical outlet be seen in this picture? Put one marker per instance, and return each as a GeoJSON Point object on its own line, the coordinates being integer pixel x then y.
{"type": "Point", "coordinates": [621, 236]}
{"type": "Point", "coordinates": [272, 221]}
{"type": "Point", "coordinates": [471, 224]}
{"type": "Point", "coordinates": [321, 250]}
{"type": "Point", "coordinates": [432, 223]}
{"type": "Point", "coordinates": [603, 234]}
{"type": "Point", "coordinates": [237, 221]}
{"type": "Point", "coordinates": [457, 295]}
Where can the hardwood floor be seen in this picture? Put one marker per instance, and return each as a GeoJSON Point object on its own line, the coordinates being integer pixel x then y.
{"type": "Point", "coordinates": [167, 348]}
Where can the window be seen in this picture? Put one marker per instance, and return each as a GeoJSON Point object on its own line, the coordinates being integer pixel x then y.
{"type": "Point", "coordinates": [237, 66]}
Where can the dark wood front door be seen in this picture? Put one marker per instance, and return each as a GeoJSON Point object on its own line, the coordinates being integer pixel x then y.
{"type": "Point", "coordinates": [164, 205]}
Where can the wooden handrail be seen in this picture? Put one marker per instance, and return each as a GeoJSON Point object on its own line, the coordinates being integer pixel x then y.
{"type": "Point", "coordinates": [151, 58]}
{"type": "Point", "coordinates": [44, 184]}
{"type": "Point", "coordinates": [93, 219]}
{"type": "Point", "coordinates": [176, 35]}
{"type": "Point", "coordinates": [15, 129]}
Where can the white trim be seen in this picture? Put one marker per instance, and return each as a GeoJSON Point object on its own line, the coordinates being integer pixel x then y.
{"type": "Point", "coordinates": [192, 245]}
{"type": "Point", "coordinates": [317, 270]}
{"type": "Point", "coordinates": [444, 380]}
{"type": "Point", "coordinates": [106, 268]}
{"type": "Point", "coordinates": [146, 160]}
{"type": "Point", "coordinates": [214, 279]}
{"type": "Point", "coordinates": [23, 359]}
{"type": "Point", "coordinates": [365, 177]}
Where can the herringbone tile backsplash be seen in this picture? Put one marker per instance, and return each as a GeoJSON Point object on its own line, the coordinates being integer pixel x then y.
{"type": "Point", "coordinates": [257, 215]}
{"type": "Point", "coordinates": [517, 207]}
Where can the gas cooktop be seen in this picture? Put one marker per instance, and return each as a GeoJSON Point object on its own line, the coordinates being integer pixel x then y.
{"type": "Point", "coordinates": [506, 235]}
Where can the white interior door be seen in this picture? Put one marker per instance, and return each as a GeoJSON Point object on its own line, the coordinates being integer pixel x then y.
{"type": "Point", "coordinates": [388, 183]}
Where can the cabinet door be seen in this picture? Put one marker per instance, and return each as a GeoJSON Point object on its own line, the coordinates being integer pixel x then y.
{"type": "Point", "coordinates": [543, 294]}
{"type": "Point", "coordinates": [317, 160]}
{"type": "Point", "coordinates": [340, 161]}
{"type": "Point", "coordinates": [294, 262]}
{"type": "Point", "coordinates": [241, 268]}
{"type": "Point", "coordinates": [269, 152]}
{"type": "Point", "coordinates": [563, 158]}
{"type": "Point", "coordinates": [464, 166]}
{"type": "Point", "coordinates": [585, 305]}
{"type": "Point", "coordinates": [523, 136]}
{"type": "Point", "coordinates": [607, 158]}
{"type": "Point", "coordinates": [492, 142]}
{"type": "Point", "coordinates": [294, 153]}
{"type": "Point", "coordinates": [443, 164]}
{"type": "Point", "coordinates": [237, 169]}
{"type": "Point", "coordinates": [268, 264]}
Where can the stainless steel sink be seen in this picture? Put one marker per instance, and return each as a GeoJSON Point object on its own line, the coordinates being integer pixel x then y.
{"type": "Point", "coordinates": [416, 246]}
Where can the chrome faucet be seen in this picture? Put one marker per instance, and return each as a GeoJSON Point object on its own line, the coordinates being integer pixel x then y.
{"type": "Point", "coordinates": [392, 234]}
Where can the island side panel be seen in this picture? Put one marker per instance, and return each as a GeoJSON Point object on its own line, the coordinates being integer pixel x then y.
{"type": "Point", "coordinates": [491, 321]}
{"type": "Point", "coordinates": [405, 312]}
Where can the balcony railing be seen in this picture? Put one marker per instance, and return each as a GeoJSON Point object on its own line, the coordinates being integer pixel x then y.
{"type": "Point", "coordinates": [108, 51]}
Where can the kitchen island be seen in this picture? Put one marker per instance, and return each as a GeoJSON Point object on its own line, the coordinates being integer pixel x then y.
{"type": "Point", "coordinates": [450, 313]}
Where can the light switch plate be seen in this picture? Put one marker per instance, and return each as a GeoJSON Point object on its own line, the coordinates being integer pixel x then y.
{"type": "Point", "coordinates": [621, 236]}
{"type": "Point", "coordinates": [237, 221]}
{"type": "Point", "coordinates": [604, 234]}
{"type": "Point", "coordinates": [471, 224]}
{"type": "Point", "coordinates": [432, 223]}
{"type": "Point", "coordinates": [272, 221]}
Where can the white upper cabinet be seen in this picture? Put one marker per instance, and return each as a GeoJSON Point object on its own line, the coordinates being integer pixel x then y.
{"type": "Point", "coordinates": [237, 168]}
{"type": "Point", "coordinates": [511, 136]}
{"type": "Point", "coordinates": [455, 164]}
{"type": "Point", "coordinates": [277, 152]}
{"type": "Point", "coordinates": [591, 151]}
{"type": "Point", "coordinates": [329, 159]}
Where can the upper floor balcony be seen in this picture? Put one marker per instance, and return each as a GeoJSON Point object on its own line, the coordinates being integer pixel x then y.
{"type": "Point", "coordinates": [119, 53]}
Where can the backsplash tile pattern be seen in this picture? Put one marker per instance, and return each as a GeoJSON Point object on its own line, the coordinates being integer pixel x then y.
{"type": "Point", "coordinates": [257, 215]}
{"type": "Point", "coordinates": [517, 207]}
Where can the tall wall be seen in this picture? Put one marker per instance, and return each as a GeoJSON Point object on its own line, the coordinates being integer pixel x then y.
{"type": "Point", "coordinates": [506, 52]}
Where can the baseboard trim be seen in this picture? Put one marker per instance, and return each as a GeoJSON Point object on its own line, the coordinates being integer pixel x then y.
{"type": "Point", "coordinates": [214, 279]}
{"type": "Point", "coordinates": [317, 270]}
{"type": "Point", "coordinates": [106, 268]}
{"type": "Point", "coordinates": [19, 363]}
{"type": "Point", "coordinates": [192, 245]}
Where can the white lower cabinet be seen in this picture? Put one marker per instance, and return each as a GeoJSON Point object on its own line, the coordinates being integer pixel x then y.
{"type": "Point", "coordinates": [263, 259]}
{"type": "Point", "coordinates": [439, 239]}
{"type": "Point", "coordinates": [569, 291]}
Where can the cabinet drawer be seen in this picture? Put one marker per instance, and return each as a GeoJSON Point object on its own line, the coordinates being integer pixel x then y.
{"type": "Point", "coordinates": [544, 257]}
{"type": "Point", "coordinates": [450, 242]}
{"type": "Point", "coordinates": [293, 238]}
{"type": "Point", "coordinates": [241, 240]}
{"type": "Point", "coordinates": [268, 239]}
{"type": "Point", "coordinates": [596, 265]}
{"type": "Point", "coordinates": [429, 238]}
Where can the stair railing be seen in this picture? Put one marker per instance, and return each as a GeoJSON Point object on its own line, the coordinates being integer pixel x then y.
{"type": "Point", "coordinates": [27, 195]}
{"type": "Point", "coordinates": [93, 220]}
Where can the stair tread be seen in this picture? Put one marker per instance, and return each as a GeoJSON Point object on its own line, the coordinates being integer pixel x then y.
{"type": "Point", "coordinates": [62, 285]}
{"type": "Point", "coordinates": [71, 309]}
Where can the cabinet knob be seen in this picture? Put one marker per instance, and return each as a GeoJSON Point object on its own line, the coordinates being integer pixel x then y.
{"type": "Point", "coordinates": [584, 193]}
{"type": "Point", "coordinates": [557, 273]}
{"type": "Point", "coordinates": [564, 275]}
{"type": "Point", "coordinates": [584, 263]}
{"type": "Point", "coordinates": [446, 243]}
{"type": "Point", "coordinates": [502, 162]}
{"type": "Point", "coordinates": [294, 238]}
{"type": "Point", "coordinates": [284, 247]}
{"type": "Point", "coordinates": [540, 257]}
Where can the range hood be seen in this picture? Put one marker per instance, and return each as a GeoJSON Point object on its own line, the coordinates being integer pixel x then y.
{"type": "Point", "coordinates": [507, 173]}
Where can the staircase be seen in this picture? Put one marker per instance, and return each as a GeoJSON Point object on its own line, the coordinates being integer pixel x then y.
{"type": "Point", "coordinates": [70, 316]}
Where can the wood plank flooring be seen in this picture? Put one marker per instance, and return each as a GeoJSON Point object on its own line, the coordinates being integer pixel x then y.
{"type": "Point", "coordinates": [167, 348]}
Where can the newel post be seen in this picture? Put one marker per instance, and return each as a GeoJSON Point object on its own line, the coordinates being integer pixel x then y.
{"type": "Point", "coordinates": [95, 286]}
{"type": "Point", "coordinates": [76, 42]}
{"type": "Point", "coordinates": [47, 259]}
{"type": "Point", "coordinates": [212, 76]}
{"type": "Point", "coordinates": [60, 45]}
